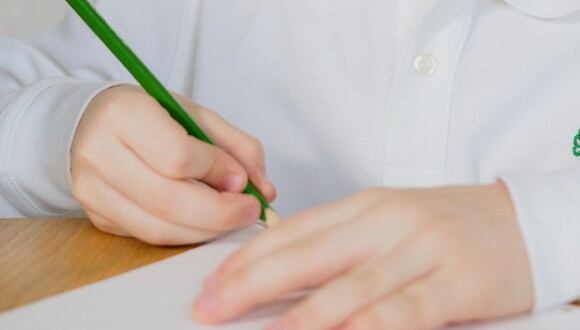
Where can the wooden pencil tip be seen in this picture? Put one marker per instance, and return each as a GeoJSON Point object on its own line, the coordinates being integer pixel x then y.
{"type": "Point", "coordinates": [272, 218]}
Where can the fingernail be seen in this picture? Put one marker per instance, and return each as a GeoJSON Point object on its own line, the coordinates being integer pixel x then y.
{"type": "Point", "coordinates": [208, 304]}
{"type": "Point", "coordinates": [233, 182]}
{"type": "Point", "coordinates": [252, 214]}
{"type": "Point", "coordinates": [281, 324]}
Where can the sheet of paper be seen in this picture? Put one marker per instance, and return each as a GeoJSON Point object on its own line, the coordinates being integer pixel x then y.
{"type": "Point", "coordinates": [159, 296]}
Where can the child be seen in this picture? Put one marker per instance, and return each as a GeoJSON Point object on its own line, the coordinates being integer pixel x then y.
{"type": "Point", "coordinates": [463, 113]}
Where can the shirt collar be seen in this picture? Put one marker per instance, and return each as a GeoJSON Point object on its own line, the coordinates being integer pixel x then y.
{"type": "Point", "coordinates": [546, 8]}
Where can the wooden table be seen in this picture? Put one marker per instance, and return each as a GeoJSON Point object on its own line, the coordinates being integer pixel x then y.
{"type": "Point", "coordinates": [42, 257]}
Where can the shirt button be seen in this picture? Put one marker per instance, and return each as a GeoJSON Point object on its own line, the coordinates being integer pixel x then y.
{"type": "Point", "coordinates": [425, 64]}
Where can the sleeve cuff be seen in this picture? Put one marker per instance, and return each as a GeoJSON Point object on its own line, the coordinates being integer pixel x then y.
{"type": "Point", "coordinates": [36, 133]}
{"type": "Point", "coordinates": [548, 211]}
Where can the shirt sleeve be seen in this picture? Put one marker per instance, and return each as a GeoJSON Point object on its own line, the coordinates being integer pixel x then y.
{"type": "Point", "coordinates": [46, 81]}
{"type": "Point", "coordinates": [36, 132]}
{"type": "Point", "coordinates": [548, 211]}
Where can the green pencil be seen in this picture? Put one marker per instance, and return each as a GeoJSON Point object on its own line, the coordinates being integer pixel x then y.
{"type": "Point", "coordinates": [155, 88]}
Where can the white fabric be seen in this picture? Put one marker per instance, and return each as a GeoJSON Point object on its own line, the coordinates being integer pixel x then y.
{"type": "Point", "coordinates": [319, 82]}
{"type": "Point", "coordinates": [409, 14]}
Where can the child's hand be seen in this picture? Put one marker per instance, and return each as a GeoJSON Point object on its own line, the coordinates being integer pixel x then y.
{"type": "Point", "coordinates": [383, 259]}
{"type": "Point", "coordinates": [137, 173]}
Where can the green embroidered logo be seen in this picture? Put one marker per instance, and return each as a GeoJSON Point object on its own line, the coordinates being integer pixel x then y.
{"type": "Point", "coordinates": [576, 146]}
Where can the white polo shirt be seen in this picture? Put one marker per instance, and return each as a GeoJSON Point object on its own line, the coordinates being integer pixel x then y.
{"type": "Point", "coordinates": [344, 95]}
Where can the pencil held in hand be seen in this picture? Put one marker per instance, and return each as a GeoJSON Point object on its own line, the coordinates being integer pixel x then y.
{"type": "Point", "coordinates": [156, 89]}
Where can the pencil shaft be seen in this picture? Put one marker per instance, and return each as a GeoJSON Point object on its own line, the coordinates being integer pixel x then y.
{"type": "Point", "coordinates": [147, 79]}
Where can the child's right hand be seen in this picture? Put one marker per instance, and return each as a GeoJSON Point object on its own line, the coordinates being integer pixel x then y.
{"type": "Point", "coordinates": [137, 173]}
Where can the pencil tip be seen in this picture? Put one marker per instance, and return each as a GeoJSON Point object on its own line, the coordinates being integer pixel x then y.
{"type": "Point", "coordinates": [272, 218]}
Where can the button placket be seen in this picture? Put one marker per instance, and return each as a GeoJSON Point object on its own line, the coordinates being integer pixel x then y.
{"type": "Point", "coordinates": [419, 108]}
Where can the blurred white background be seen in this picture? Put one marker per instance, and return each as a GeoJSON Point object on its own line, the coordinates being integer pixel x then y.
{"type": "Point", "coordinates": [21, 17]}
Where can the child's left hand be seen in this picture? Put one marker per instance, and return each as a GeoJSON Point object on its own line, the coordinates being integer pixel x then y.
{"type": "Point", "coordinates": [383, 259]}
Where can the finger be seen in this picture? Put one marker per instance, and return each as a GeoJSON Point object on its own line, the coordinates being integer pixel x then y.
{"type": "Point", "coordinates": [243, 147]}
{"type": "Point", "coordinates": [426, 304]}
{"type": "Point", "coordinates": [134, 220]}
{"type": "Point", "coordinates": [274, 275]}
{"type": "Point", "coordinates": [180, 202]}
{"type": "Point", "coordinates": [331, 305]}
{"type": "Point", "coordinates": [165, 146]}
{"type": "Point", "coordinates": [104, 224]}
{"type": "Point", "coordinates": [299, 227]}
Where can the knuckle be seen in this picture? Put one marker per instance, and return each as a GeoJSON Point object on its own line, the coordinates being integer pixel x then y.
{"type": "Point", "coordinates": [179, 159]}
{"type": "Point", "coordinates": [205, 115]}
{"type": "Point", "coordinates": [85, 157]}
{"type": "Point", "coordinates": [246, 278]}
{"type": "Point", "coordinates": [303, 254]}
{"type": "Point", "coordinates": [111, 107]}
{"type": "Point", "coordinates": [79, 189]}
{"type": "Point", "coordinates": [166, 201]}
{"type": "Point", "coordinates": [248, 282]}
{"type": "Point", "coordinates": [118, 109]}
{"type": "Point", "coordinates": [420, 311]}
{"type": "Point", "coordinates": [202, 113]}
{"type": "Point", "coordinates": [126, 108]}
{"type": "Point", "coordinates": [206, 160]}
{"type": "Point", "coordinates": [439, 240]}
{"type": "Point", "coordinates": [92, 157]}
{"type": "Point", "coordinates": [415, 209]}
{"type": "Point", "coordinates": [367, 282]}
{"type": "Point", "coordinates": [254, 148]}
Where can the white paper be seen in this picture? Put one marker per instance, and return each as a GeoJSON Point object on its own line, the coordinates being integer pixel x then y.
{"type": "Point", "coordinates": [160, 296]}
